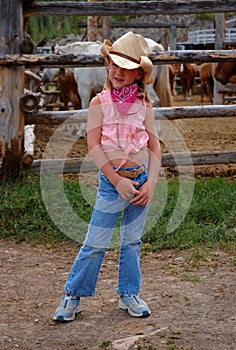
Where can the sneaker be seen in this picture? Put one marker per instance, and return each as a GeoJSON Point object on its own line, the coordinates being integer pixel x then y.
{"type": "Point", "coordinates": [68, 308]}
{"type": "Point", "coordinates": [135, 306]}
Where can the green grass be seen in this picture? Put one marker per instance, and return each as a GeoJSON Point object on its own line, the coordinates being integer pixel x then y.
{"type": "Point", "coordinates": [210, 220]}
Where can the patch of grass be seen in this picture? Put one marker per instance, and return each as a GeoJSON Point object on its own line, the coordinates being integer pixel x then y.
{"type": "Point", "coordinates": [196, 258]}
{"type": "Point", "coordinates": [190, 277]}
{"type": "Point", "coordinates": [23, 216]}
{"type": "Point", "coordinates": [210, 221]}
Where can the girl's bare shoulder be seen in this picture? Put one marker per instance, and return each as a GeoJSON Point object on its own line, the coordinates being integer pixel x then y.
{"type": "Point", "coordinates": [95, 101]}
{"type": "Point", "coordinates": [149, 105]}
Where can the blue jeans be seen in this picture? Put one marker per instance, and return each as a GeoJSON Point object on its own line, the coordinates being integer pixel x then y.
{"type": "Point", "coordinates": [109, 204]}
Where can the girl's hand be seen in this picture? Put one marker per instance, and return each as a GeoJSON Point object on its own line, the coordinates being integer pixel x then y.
{"type": "Point", "coordinates": [126, 189]}
{"type": "Point", "coordinates": [144, 196]}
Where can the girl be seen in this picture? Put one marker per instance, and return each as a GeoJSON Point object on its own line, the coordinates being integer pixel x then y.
{"type": "Point", "coordinates": [123, 143]}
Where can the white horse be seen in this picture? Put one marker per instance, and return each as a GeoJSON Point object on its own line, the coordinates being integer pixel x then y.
{"type": "Point", "coordinates": [91, 80]}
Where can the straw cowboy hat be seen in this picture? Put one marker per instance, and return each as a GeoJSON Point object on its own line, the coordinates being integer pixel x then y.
{"type": "Point", "coordinates": [130, 51]}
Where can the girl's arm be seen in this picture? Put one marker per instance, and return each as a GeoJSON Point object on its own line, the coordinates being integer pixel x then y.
{"type": "Point", "coordinates": [147, 190]}
{"type": "Point", "coordinates": [94, 127]}
{"type": "Point", "coordinates": [153, 145]}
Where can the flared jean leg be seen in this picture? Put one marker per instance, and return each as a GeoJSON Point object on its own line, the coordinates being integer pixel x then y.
{"type": "Point", "coordinates": [132, 225]}
{"type": "Point", "coordinates": [84, 273]}
{"type": "Point", "coordinates": [129, 274]}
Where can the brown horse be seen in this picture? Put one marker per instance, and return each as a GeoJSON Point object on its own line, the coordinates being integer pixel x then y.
{"type": "Point", "coordinates": [207, 81]}
{"type": "Point", "coordinates": [187, 73]}
{"type": "Point", "coordinates": [224, 71]}
{"type": "Point", "coordinates": [68, 89]}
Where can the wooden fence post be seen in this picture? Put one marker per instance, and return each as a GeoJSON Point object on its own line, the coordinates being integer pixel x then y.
{"type": "Point", "coordinates": [11, 89]}
{"type": "Point", "coordinates": [219, 40]}
{"type": "Point", "coordinates": [92, 26]}
{"type": "Point", "coordinates": [106, 28]}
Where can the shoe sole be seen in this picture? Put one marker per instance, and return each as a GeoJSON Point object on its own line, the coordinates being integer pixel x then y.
{"type": "Point", "coordinates": [68, 319]}
{"type": "Point", "coordinates": [124, 307]}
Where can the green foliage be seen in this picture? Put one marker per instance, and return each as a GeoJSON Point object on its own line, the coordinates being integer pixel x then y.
{"type": "Point", "coordinates": [210, 16]}
{"type": "Point", "coordinates": [210, 221]}
{"type": "Point", "coordinates": [52, 27]}
{"type": "Point", "coordinates": [105, 343]}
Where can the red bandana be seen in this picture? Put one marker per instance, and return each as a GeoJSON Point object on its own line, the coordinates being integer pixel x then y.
{"type": "Point", "coordinates": [124, 97]}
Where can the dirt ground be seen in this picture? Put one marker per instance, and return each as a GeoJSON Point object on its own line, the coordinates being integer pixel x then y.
{"type": "Point", "coordinates": [191, 296]}
{"type": "Point", "coordinates": [191, 293]}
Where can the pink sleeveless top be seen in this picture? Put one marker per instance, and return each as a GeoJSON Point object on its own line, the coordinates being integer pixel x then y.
{"type": "Point", "coordinates": [123, 132]}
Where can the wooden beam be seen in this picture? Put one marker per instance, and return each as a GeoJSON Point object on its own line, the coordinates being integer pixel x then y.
{"type": "Point", "coordinates": [170, 113]}
{"type": "Point", "coordinates": [73, 165]}
{"type": "Point", "coordinates": [71, 60]}
{"type": "Point", "coordinates": [135, 8]}
{"type": "Point", "coordinates": [136, 25]}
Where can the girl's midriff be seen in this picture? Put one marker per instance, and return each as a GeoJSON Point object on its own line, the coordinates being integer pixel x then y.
{"type": "Point", "coordinates": [134, 159]}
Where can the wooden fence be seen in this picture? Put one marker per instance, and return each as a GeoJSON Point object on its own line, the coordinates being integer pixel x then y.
{"type": "Point", "coordinates": [13, 64]}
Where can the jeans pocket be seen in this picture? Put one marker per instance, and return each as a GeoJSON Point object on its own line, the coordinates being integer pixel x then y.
{"type": "Point", "coordinates": [105, 188]}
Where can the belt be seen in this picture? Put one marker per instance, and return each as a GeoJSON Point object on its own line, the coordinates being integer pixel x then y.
{"type": "Point", "coordinates": [132, 173]}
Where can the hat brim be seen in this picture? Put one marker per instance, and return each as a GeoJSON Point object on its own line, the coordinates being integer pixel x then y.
{"type": "Point", "coordinates": [123, 62]}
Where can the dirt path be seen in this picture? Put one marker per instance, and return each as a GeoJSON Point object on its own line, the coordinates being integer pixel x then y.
{"type": "Point", "coordinates": [191, 295]}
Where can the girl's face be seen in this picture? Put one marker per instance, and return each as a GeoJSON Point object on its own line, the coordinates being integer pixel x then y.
{"type": "Point", "coordinates": [121, 77]}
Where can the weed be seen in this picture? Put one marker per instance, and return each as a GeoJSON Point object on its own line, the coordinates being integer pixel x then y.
{"type": "Point", "coordinates": [105, 343]}
{"type": "Point", "coordinates": [232, 261]}
{"type": "Point", "coordinates": [171, 344]}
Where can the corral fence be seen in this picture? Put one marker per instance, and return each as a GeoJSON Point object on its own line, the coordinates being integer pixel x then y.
{"type": "Point", "coordinates": [13, 62]}
{"type": "Point", "coordinates": [207, 36]}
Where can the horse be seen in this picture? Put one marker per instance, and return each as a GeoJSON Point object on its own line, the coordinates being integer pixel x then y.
{"type": "Point", "coordinates": [224, 71]}
{"type": "Point", "coordinates": [91, 80]}
{"type": "Point", "coordinates": [160, 87]}
{"type": "Point", "coordinates": [187, 73]}
{"type": "Point", "coordinates": [68, 89]}
{"type": "Point", "coordinates": [207, 81]}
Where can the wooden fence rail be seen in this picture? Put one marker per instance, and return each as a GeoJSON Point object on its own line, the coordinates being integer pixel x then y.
{"type": "Point", "coordinates": [170, 113]}
{"type": "Point", "coordinates": [136, 25]}
{"type": "Point", "coordinates": [74, 165]}
{"type": "Point", "coordinates": [71, 60]}
{"type": "Point", "coordinates": [135, 8]}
